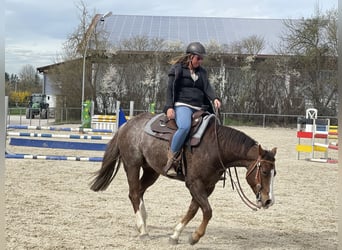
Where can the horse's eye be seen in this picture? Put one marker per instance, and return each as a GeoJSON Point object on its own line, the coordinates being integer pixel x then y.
{"type": "Point", "coordinates": [264, 172]}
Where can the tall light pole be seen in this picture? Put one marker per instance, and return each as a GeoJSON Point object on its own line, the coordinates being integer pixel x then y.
{"type": "Point", "coordinates": [91, 29]}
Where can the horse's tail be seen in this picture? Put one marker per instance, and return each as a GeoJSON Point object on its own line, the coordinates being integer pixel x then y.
{"type": "Point", "coordinates": [110, 166]}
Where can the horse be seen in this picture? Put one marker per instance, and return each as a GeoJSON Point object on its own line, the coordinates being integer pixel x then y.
{"type": "Point", "coordinates": [220, 149]}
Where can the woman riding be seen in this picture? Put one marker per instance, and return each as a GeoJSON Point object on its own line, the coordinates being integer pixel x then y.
{"type": "Point", "coordinates": [188, 90]}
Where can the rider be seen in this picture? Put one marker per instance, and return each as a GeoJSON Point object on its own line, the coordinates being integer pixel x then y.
{"type": "Point", "coordinates": [188, 90]}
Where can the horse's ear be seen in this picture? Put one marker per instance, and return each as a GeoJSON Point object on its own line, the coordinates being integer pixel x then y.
{"type": "Point", "coordinates": [274, 151]}
{"type": "Point", "coordinates": [261, 151]}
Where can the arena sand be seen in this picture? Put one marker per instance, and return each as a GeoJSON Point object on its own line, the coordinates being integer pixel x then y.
{"type": "Point", "coordinates": [49, 206]}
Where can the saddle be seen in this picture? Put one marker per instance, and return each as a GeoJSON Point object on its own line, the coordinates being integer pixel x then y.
{"type": "Point", "coordinates": [163, 128]}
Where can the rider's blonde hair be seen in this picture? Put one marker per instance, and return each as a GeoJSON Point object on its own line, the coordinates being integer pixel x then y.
{"type": "Point", "coordinates": [183, 59]}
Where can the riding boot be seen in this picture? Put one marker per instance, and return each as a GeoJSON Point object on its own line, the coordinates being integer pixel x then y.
{"type": "Point", "coordinates": [170, 169]}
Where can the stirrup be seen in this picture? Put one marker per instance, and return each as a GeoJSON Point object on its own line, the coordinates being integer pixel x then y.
{"type": "Point", "coordinates": [172, 164]}
{"type": "Point", "coordinates": [169, 168]}
{"type": "Point", "coordinates": [171, 172]}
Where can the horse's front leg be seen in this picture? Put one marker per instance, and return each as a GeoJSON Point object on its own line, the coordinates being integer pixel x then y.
{"type": "Point", "coordinates": [192, 210]}
{"type": "Point", "coordinates": [201, 194]}
{"type": "Point", "coordinates": [200, 231]}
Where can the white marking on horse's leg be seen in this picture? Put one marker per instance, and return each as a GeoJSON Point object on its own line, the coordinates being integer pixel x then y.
{"type": "Point", "coordinates": [141, 216]}
{"type": "Point", "coordinates": [178, 230]}
{"type": "Point", "coordinates": [143, 210]}
{"type": "Point", "coordinates": [141, 226]}
{"type": "Point", "coordinates": [271, 188]}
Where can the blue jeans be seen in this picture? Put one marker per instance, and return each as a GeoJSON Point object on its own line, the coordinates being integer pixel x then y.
{"type": "Point", "coordinates": [183, 121]}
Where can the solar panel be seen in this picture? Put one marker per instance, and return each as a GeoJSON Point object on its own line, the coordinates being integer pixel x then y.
{"type": "Point", "coordinates": [188, 29]}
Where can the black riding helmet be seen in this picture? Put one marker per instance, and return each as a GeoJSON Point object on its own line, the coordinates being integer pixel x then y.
{"type": "Point", "coordinates": [195, 48]}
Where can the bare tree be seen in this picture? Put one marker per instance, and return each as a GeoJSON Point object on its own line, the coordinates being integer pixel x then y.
{"type": "Point", "coordinates": [67, 75]}
{"type": "Point", "coordinates": [136, 77]}
{"type": "Point", "coordinates": [331, 31]}
{"type": "Point", "coordinates": [174, 46]}
{"type": "Point", "coordinates": [213, 47]}
{"type": "Point", "coordinates": [314, 41]}
{"type": "Point", "coordinates": [251, 45]}
{"type": "Point", "coordinates": [87, 44]}
{"type": "Point", "coordinates": [110, 90]}
{"type": "Point", "coordinates": [29, 79]}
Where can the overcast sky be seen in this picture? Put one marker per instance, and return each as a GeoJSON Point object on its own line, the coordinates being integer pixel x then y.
{"type": "Point", "coordinates": [35, 30]}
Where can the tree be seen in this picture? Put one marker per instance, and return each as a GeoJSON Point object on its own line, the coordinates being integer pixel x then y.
{"type": "Point", "coordinates": [314, 42]}
{"type": "Point", "coordinates": [235, 80]}
{"type": "Point", "coordinates": [11, 83]}
{"type": "Point", "coordinates": [111, 89]}
{"type": "Point", "coordinates": [251, 45]}
{"type": "Point", "coordinates": [29, 79]}
{"type": "Point", "coordinates": [137, 76]}
{"type": "Point", "coordinates": [19, 89]}
{"type": "Point", "coordinates": [85, 43]}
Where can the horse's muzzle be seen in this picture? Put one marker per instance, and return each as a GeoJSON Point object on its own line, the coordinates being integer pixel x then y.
{"type": "Point", "coordinates": [263, 204]}
{"type": "Point", "coordinates": [268, 203]}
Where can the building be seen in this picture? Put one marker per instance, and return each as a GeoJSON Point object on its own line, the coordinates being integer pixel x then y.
{"type": "Point", "coordinates": [120, 39]}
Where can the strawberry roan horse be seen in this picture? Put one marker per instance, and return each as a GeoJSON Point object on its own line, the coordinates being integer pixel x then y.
{"type": "Point", "coordinates": [221, 148]}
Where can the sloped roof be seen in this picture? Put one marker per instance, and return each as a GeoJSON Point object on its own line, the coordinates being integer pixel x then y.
{"type": "Point", "coordinates": [224, 31]}
{"type": "Point", "coordinates": [184, 29]}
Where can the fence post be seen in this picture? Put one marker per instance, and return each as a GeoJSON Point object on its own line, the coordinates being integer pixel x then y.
{"type": "Point", "coordinates": [131, 109]}
{"type": "Point", "coordinates": [6, 107]}
{"type": "Point", "coordinates": [117, 114]}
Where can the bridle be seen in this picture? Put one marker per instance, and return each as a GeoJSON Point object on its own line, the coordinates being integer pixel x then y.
{"type": "Point", "coordinates": [255, 165]}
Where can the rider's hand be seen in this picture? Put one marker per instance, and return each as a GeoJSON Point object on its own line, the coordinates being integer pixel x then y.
{"type": "Point", "coordinates": [217, 103]}
{"type": "Point", "coordinates": [170, 113]}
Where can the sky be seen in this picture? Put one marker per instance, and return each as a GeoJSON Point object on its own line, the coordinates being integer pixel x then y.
{"type": "Point", "coordinates": [35, 30]}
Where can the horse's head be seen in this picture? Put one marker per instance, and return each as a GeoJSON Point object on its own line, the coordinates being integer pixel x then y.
{"type": "Point", "coordinates": [260, 176]}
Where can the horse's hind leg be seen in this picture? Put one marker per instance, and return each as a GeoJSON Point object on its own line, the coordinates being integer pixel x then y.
{"type": "Point", "coordinates": [132, 173]}
{"type": "Point", "coordinates": [136, 191]}
{"type": "Point", "coordinates": [148, 178]}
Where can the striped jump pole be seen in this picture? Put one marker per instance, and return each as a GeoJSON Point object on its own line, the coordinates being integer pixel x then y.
{"type": "Point", "coordinates": [329, 146]}
{"type": "Point", "coordinates": [18, 139]}
{"type": "Point", "coordinates": [57, 144]}
{"type": "Point", "coordinates": [46, 135]}
{"type": "Point", "coordinates": [323, 160]}
{"type": "Point", "coordinates": [53, 157]}
{"type": "Point", "coordinates": [333, 132]}
{"type": "Point", "coordinates": [85, 130]}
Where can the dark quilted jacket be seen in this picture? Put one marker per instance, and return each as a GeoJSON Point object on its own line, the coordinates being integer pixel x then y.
{"type": "Point", "coordinates": [181, 88]}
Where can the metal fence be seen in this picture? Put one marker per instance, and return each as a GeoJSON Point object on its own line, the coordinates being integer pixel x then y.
{"type": "Point", "coordinates": [72, 116]}
{"type": "Point", "coordinates": [267, 120]}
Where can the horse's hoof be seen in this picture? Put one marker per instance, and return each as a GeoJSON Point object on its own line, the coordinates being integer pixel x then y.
{"type": "Point", "coordinates": [144, 237]}
{"type": "Point", "coordinates": [192, 241]}
{"type": "Point", "coordinates": [173, 241]}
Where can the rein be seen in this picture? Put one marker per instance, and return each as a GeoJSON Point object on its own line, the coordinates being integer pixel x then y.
{"type": "Point", "coordinates": [221, 162]}
{"type": "Point", "coordinates": [242, 195]}
{"type": "Point", "coordinates": [236, 183]}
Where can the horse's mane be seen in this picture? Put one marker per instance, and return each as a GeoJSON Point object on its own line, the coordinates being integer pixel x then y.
{"type": "Point", "coordinates": [234, 140]}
